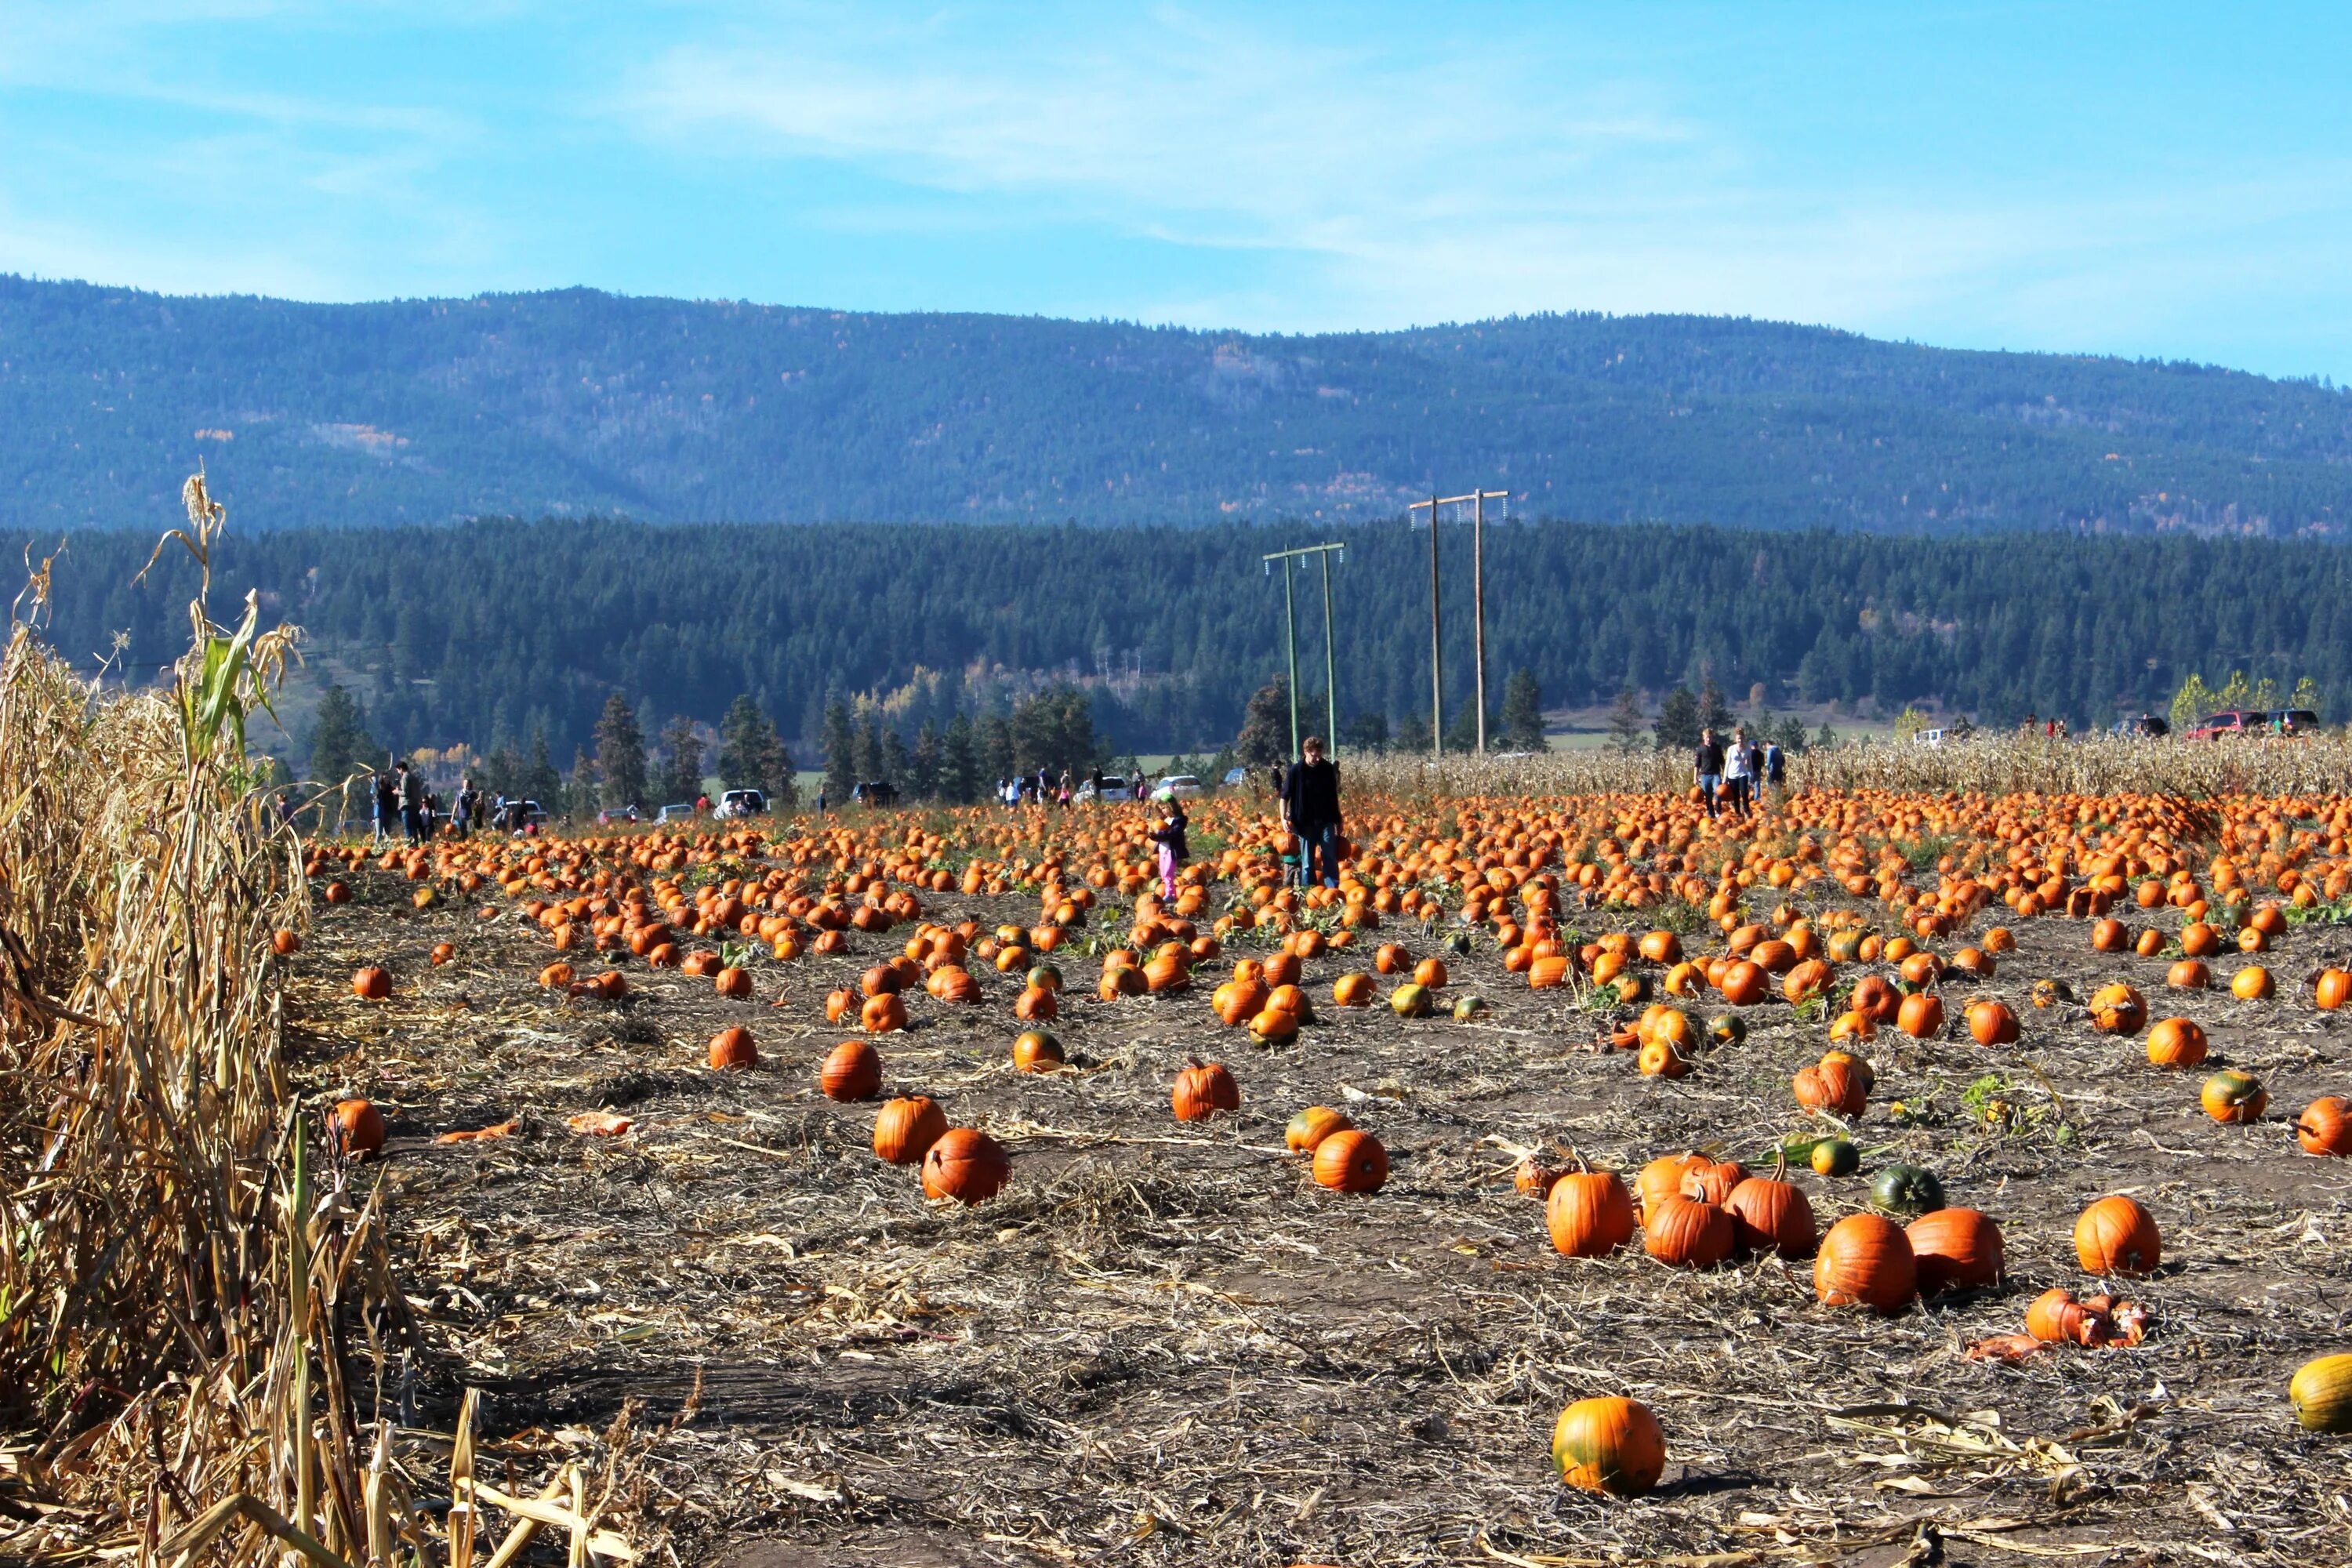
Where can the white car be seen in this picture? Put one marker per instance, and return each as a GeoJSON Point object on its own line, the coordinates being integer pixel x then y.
{"type": "Point", "coordinates": [1114, 787]}
{"type": "Point", "coordinates": [670, 813]}
{"type": "Point", "coordinates": [1928, 738]}
{"type": "Point", "coordinates": [1180, 786]}
{"type": "Point", "coordinates": [744, 803]}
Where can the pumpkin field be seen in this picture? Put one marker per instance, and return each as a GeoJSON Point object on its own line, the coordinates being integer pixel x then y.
{"type": "Point", "coordinates": [1910, 1177]}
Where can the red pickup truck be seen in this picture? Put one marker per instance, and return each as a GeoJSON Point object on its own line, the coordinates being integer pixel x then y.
{"type": "Point", "coordinates": [2256, 722]}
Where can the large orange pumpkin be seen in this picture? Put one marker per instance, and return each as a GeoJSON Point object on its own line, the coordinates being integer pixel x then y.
{"type": "Point", "coordinates": [1771, 1216]}
{"type": "Point", "coordinates": [905, 1130]}
{"type": "Point", "coordinates": [2116, 1235]}
{"type": "Point", "coordinates": [965, 1165]}
{"type": "Point", "coordinates": [1865, 1260]}
{"type": "Point", "coordinates": [733, 1048]}
{"type": "Point", "coordinates": [1609, 1444]}
{"type": "Point", "coordinates": [2325, 1126]}
{"type": "Point", "coordinates": [1588, 1213]}
{"type": "Point", "coordinates": [1955, 1249]}
{"type": "Point", "coordinates": [1687, 1232]}
{"type": "Point", "coordinates": [1351, 1161]}
{"type": "Point", "coordinates": [853, 1070]}
{"type": "Point", "coordinates": [1202, 1089]}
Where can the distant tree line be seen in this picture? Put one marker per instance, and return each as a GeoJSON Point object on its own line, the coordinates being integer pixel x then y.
{"type": "Point", "coordinates": [511, 638]}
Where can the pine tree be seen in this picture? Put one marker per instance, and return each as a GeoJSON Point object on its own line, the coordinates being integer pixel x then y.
{"type": "Point", "coordinates": [1791, 733]}
{"type": "Point", "coordinates": [1264, 735]}
{"type": "Point", "coordinates": [339, 743]}
{"type": "Point", "coordinates": [995, 748]}
{"type": "Point", "coordinates": [1713, 712]}
{"type": "Point", "coordinates": [1367, 732]}
{"type": "Point", "coordinates": [922, 780]}
{"type": "Point", "coordinates": [1413, 732]}
{"type": "Point", "coordinates": [894, 759]}
{"type": "Point", "coordinates": [539, 780]}
{"type": "Point", "coordinates": [1523, 722]}
{"type": "Point", "coordinates": [869, 750]}
{"type": "Point", "coordinates": [840, 754]}
{"type": "Point", "coordinates": [960, 778]}
{"type": "Point", "coordinates": [681, 775]}
{"type": "Point", "coordinates": [1825, 738]}
{"type": "Point", "coordinates": [1677, 726]}
{"type": "Point", "coordinates": [1625, 722]}
{"type": "Point", "coordinates": [621, 754]}
{"type": "Point", "coordinates": [579, 793]}
{"type": "Point", "coordinates": [743, 737]}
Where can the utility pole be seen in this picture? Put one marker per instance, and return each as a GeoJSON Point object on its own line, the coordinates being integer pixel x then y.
{"type": "Point", "coordinates": [1478, 596]}
{"type": "Point", "coordinates": [1477, 499]}
{"type": "Point", "coordinates": [1289, 559]}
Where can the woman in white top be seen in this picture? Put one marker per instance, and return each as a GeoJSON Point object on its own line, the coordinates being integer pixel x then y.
{"type": "Point", "coordinates": [1737, 775]}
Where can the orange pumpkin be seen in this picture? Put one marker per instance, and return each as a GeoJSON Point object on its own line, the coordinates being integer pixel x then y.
{"type": "Point", "coordinates": [1955, 1249]}
{"type": "Point", "coordinates": [1992, 1023]}
{"type": "Point", "coordinates": [905, 1130]}
{"type": "Point", "coordinates": [733, 1048]}
{"type": "Point", "coordinates": [1351, 1161]}
{"type": "Point", "coordinates": [1609, 1444]}
{"type": "Point", "coordinates": [2118, 1009]}
{"type": "Point", "coordinates": [358, 1127]}
{"type": "Point", "coordinates": [1687, 1234]}
{"type": "Point", "coordinates": [965, 1165]}
{"type": "Point", "coordinates": [373, 984]}
{"type": "Point", "coordinates": [1921, 1015]}
{"type": "Point", "coordinates": [1311, 1126]}
{"type": "Point", "coordinates": [2176, 1043]}
{"type": "Point", "coordinates": [1865, 1260]}
{"type": "Point", "coordinates": [2325, 1126]}
{"type": "Point", "coordinates": [2116, 1235]}
{"type": "Point", "coordinates": [852, 1070]}
{"type": "Point", "coordinates": [1588, 1213]}
{"type": "Point", "coordinates": [1771, 1216]}
{"type": "Point", "coordinates": [1202, 1089]}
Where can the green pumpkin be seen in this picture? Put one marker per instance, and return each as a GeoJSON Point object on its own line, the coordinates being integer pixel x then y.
{"type": "Point", "coordinates": [1468, 1006]}
{"type": "Point", "coordinates": [1727, 1028]}
{"type": "Point", "coordinates": [1834, 1157]}
{"type": "Point", "coordinates": [1906, 1189]}
{"type": "Point", "coordinates": [1410, 1001]}
{"type": "Point", "coordinates": [1458, 944]}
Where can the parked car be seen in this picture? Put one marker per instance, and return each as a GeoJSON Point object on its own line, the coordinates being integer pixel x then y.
{"type": "Point", "coordinates": [2234, 722]}
{"type": "Point", "coordinates": [1178, 787]}
{"type": "Point", "coordinates": [528, 813]}
{"type": "Point", "coordinates": [670, 813]}
{"type": "Point", "coordinates": [744, 803]}
{"type": "Point", "coordinates": [1114, 785]}
{"type": "Point", "coordinates": [2296, 720]}
{"type": "Point", "coordinates": [1928, 738]}
{"type": "Point", "coordinates": [613, 814]}
{"type": "Point", "coordinates": [1236, 777]}
{"type": "Point", "coordinates": [2146, 724]}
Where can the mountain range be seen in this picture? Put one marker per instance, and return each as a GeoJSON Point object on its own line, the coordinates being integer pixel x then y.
{"type": "Point", "coordinates": [576, 404]}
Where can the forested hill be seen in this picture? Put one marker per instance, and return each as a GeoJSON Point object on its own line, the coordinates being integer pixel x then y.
{"type": "Point", "coordinates": [488, 632]}
{"type": "Point", "coordinates": [580, 402]}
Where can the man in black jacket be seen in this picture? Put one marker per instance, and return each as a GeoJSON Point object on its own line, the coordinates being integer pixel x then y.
{"type": "Point", "coordinates": [1707, 766]}
{"type": "Point", "coordinates": [1311, 806]}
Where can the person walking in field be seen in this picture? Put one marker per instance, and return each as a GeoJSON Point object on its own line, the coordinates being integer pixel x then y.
{"type": "Point", "coordinates": [1707, 767]}
{"type": "Point", "coordinates": [411, 794]}
{"type": "Point", "coordinates": [381, 807]}
{"type": "Point", "coordinates": [1310, 808]}
{"type": "Point", "coordinates": [1740, 772]}
{"type": "Point", "coordinates": [1776, 773]}
{"type": "Point", "coordinates": [1173, 850]}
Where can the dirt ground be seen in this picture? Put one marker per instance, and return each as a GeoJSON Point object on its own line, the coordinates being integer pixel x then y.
{"type": "Point", "coordinates": [1164, 1344]}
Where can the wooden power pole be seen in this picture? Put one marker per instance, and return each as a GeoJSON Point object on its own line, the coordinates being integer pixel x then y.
{"type": "Point", "coordinates": [1477, 499]}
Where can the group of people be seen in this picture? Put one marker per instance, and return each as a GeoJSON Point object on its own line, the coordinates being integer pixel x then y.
{"type": "Point", "coordinates": [404, 805]}
{"type": "Point", "coordinates": [1041, 788]}
{"type": "Point", "coordinates": [1733, 777]}
{"type": "Point", "coordinates": [1308, 794]}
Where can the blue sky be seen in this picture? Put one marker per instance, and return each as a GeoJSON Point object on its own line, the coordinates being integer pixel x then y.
{"type": "Point", "coordinates": [2145, 180]}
